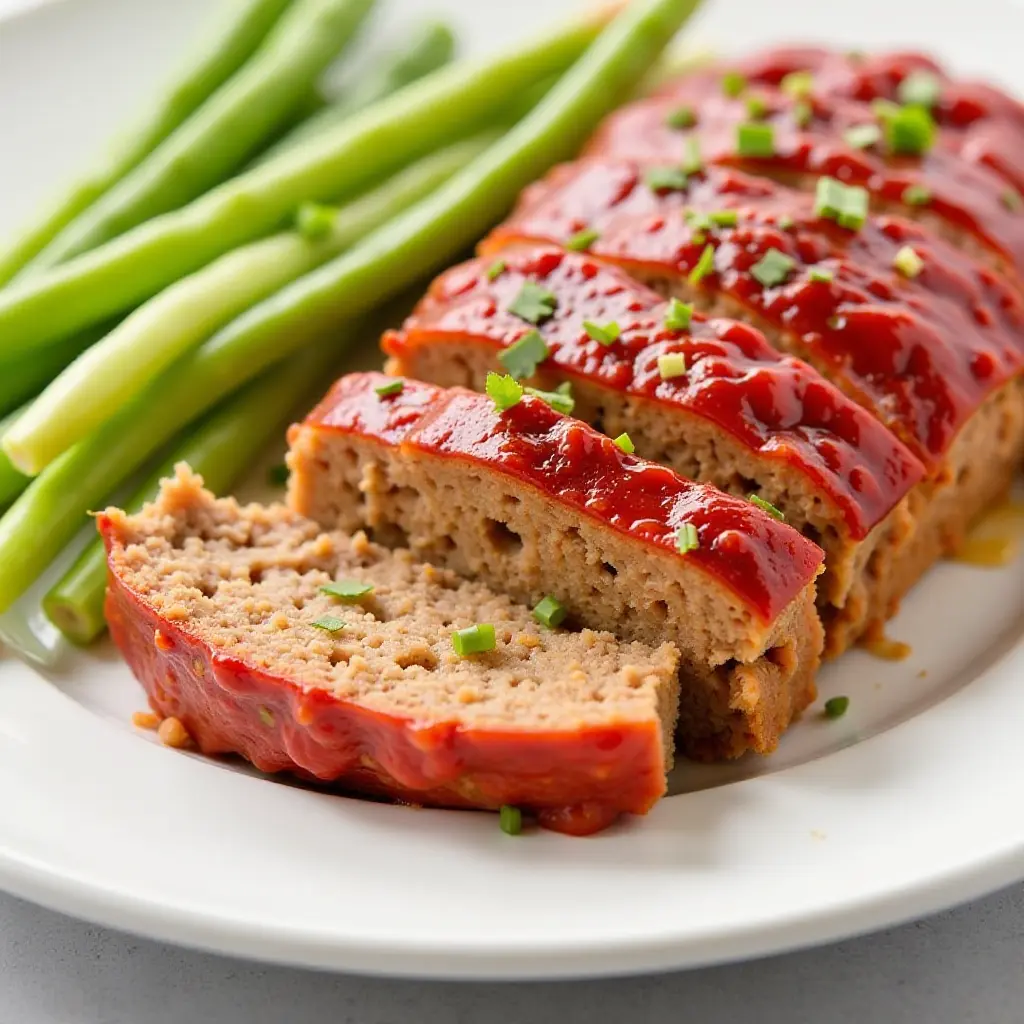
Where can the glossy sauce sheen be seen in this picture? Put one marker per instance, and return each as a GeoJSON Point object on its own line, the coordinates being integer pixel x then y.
{"type": "Point", "coordinates": [773, 405]}
{"type": "Point", "coordinates": [964, 192]}
{"type": "Point", "coordinates": [921, 353]}
{"type": "Point", "coordinates": [763, 562]}
{"type": "Point", "coordinates": [982, 123]}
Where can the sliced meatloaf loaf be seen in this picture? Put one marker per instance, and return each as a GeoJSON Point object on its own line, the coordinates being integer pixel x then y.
{"type": "Point", "coordinates": [327, 656]}
{"type": "Point", "coordinates": [732, 411]}
{"type": "Point", "coordinates": [799, 140]}
{"type": "Point", "coordinates": [921, 335]}
{"type": "Point", "coordinates": [537, 503]}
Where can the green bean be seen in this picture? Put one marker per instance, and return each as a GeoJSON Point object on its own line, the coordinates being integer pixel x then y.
{"type": "Point", "coordinates": [431, 49]}
{"type": "Point", "coordinates": [446, 105]}
{"type": "Point", "coordinates": [240, 30]}
{"type": "Point", "coordinates": [220, 449]}
{"type": "Point", "coordinates": [12, 483]}
{"type": "Point", "coordinates": [115, 369]}
{"type": "Point", "coordinates": [225, 131]}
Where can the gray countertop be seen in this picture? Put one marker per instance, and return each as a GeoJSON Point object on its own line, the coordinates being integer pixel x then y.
{"type": "Point", "coordinates": [962, 967]}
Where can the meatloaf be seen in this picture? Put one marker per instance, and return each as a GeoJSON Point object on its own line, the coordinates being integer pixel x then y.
{"type": "Point", "coordinates": [737, 414]}
{"type": "Point", "coordinates": [226, 615]}
{"type": "Point", "coordinates": [922, 335]}
{"type": "Point", "coordinates": [536, 503]}
{"type": "Point", "coordinates": [798, 139]}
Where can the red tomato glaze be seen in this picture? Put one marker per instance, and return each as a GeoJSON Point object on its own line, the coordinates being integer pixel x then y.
{"type": "Point", "coordinates": [765, 563]}
{"type": "Point", "coordinates": [922, 354]}
{"type": "Point", "coordinates": [775, 405]}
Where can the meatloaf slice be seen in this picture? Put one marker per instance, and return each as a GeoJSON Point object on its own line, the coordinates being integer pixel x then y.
{"type": "Point", "coordinates": [799, 140]}
{"type": "Point", "coordinates": [741, 417]}
{"type": "Point", "coordinates": [936, 354]}
{"type": "Point", "coordinates": [540, 504]}
{"type": "Point", "coordinates": [221, 612]}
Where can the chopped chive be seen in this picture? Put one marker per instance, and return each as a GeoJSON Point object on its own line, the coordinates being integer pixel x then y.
{"type": "Point", "coordinates": [277, 476]}
{"type": "Point", "coordinates": [847, 205]}
{"type": "Point", "coordinates": [786, 223]}
{"type": "Point", "coordinates": [666, 179]}
{"type": "Point", "coordinates": [329, 623]}
{"type": "Point", "coordinates": [835, 707]}
{"type": "Point", "coordinates": [604, 334]}
{"type": "Point", "coordinates": [705, 265]}
{"type": "Point", "coordinates": [473, 639]}
{"type": "Point", "coordinates": [884, 108]}
{"type": "Point", "coordinates": [916, 195]}
{"type": "Point", "coordinates": [496, 269]}
{"type": "Point", "coordinates": [860, 136]}
{"type": "Point", "coordinates": [724, 218]}
{"type": "Point", "coordinates": [803, 113]}
{"type": "Point", "coordinates": [625, 442]}
{"type": "Point", "coordinates": [583, 239]}
{"type": "Point", "coordinates": [798, 84]}
{"type": "Point", "coordinates": [523, 356]}
{"type": "Point", "coordinates": [393, 387]}
{"type": "Point", "coordinates": [693, 162]}
{"type": "Point", "coordinates": [773, 268]}
{"type": "Point", "coordinates": [550, 612]}
{"type": "Point", "coordinates": [687, 539]}
{"type": "Point", "coordinates": [671, 364]}
{"type": "Point", "coordinates": [907, 262]}
{"type": "Point", "coordinates": [733, 83]}
{"type": "Point", "coordinates": [533, 303]}
{"type": "Point", "coordinates": [681, 117]}
{"type": "Point", "coordinates": [921, 88]}
{"type": "Point", "coordinates": [766, 506]}
{"type": "Point", "coordinates": [755, 140]}
{"type": "Point", "coordinates": [314, 221]}
{"type": "Point", "coordinates": [697, 220]}
{"type": "Point", "coordinates": [757, 107]}
{"type": "Point", "coordinates": [347, 590]}
{"type": "Point", "coordinates": [678, 315]}
{"type": "Point", "coordinates": [267, 717]}
{"type": "Point", "coordinates": [510, 819]}
{"type": "Point", "coordinates": [560, 399]}
{"type": "Point", "coordinates": [909, 130]}
{"type": "Point", "coordinates": [821, 274]}
{"type": "Point", "coordinates": [1013, 200]}
{"type": "Point", "coordinates": [504, 392]}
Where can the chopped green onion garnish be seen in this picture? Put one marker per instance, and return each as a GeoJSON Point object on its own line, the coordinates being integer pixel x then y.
{"type": "Point", "coordinates": [847, 205]}
{"type": "Point", "coordinates": [511, 820]}
{"type": "Point", "coordinates": [705, 265]}
{"type": "Point", "coordinates": [1013, 200]}
{"type": "Point", "coordinates": [821, 274]}
{"type": "Point", "coordinates": [666, 179]}
{"type": "Point", "coordinates": [678, 315]}
{"type": "Point", "coordinates": [916, 195]}
{"type": "Point", "coordinates": [835, 707]}
{"type": "Point", "coordinates": [393, 387]}
{"type": "Point", "coordinates": [605, 334]}
{"type": "Point", "coordinates": [504, 392]}
{"type": "Point", "coordinates": [860, 136]}
{"type": "Point", "coordinates": [496, 269]}
{"type": "Point", "coordinates": [314, 221]}
{"type": "Point", "coordinates": [786, 223]}
{"type": "Point", "coordinates": [798, 84]}
{"type": "Point", "coordinates": [277, 476]}
{"type": "Point", "coordinates": [909, 130]}
{"type": "Point", "coordinates": [773, 268]}
{"type": "Point", "coordinates": [907, 262]}
{"type": "Point", "coordinates": [671, 364]}
{"type": "Point", "coordinates": [921, 88]}
{"type": "Point", "coordinates": [686, 538]}
{"type": "Point", "coordinates": [533, 303]}
{"type": "Point", "coordinates": [766, 506]}
{"type": "Point", "coordinates": [724, 218]}
{"type": "Point", "coordinates": [625, 442]}
{"type": "Point", "coordinates": [329, 623]}
{"type": "Point", "coordinates": [560, 399]}
{"type": "Point", "coordinates": [550, 612]}
{"type": "Point", "coordinates": [757, 107]}
{"type": "Point", "coordinates": [681, 117]}
{"type": "Point", "coordinates": [884, 108]}
{"type": "Point", "coordinates": [522, 357]}
{"type": "Point", "coordinates": [755, 140]}
{"type": "Point", "coordinates": [267, 717]}
{"type": "Point", "coordinates": [583, 240]}
{"type": "Point", "coordinates": [347, 590]}
{"type": "Point", "coordinates": [692, 160]}
{"type": "Point", "coordinates": [803, 113]}
{"type": "Point", "coordinates": [473, 639]}
{"type": "Point", "coordinates": [733, 83]}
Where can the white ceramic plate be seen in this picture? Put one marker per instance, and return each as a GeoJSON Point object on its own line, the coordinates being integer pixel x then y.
{"type": "Point", "coordinates": [908, 804]}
